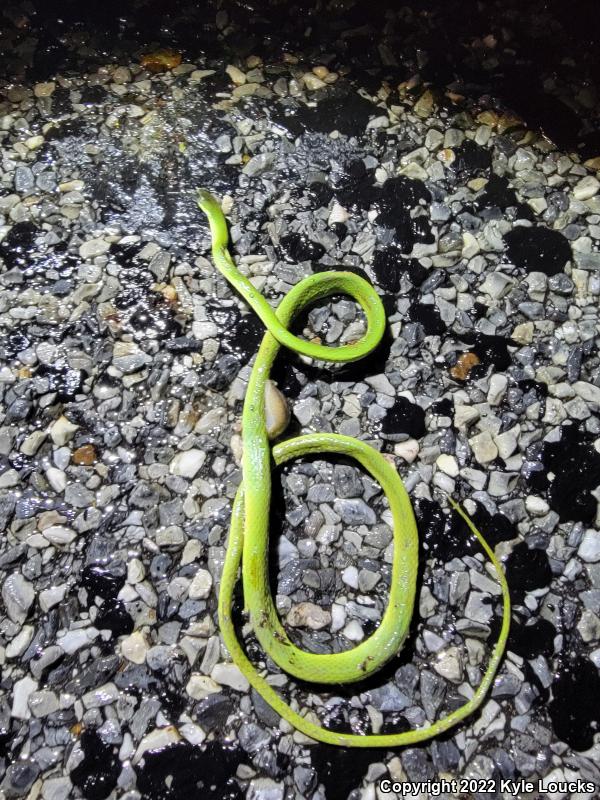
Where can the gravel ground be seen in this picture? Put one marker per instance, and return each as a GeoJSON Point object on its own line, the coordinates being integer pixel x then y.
{"type": "Point", "coordinates": [401, 148]}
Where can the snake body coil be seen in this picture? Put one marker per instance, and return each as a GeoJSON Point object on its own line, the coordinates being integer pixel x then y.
{"type": "Point", "coordinates": [249, 532]}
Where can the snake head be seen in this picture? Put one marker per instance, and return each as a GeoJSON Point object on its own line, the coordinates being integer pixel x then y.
{"type": "Point", "coordinates": [206, 200]}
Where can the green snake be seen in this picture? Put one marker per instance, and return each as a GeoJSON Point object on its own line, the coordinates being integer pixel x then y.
{"type": "Point", "coordinates": [249, 531]}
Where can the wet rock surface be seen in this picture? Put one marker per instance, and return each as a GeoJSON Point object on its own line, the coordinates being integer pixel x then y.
{"type": "Point", "coordinates": [461, 180]}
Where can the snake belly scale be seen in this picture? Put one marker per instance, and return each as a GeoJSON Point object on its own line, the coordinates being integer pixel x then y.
{"type": "Point", "coordinates": [249, 532]}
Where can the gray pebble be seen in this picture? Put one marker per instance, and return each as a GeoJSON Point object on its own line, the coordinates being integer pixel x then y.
{"type": "Point", "coordinates": [355, 512]}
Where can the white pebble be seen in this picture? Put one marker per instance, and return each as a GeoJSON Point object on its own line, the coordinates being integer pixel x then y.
{"type": "Point", "coordinates": [350, 576]}
{"type": "Point", "coordinates": [18, 596]}
{"type": "Point", "coordinates": [589, 549]}
{"type": "Point", "coordinates": [586, 188]}
{"type": "Point", "coordinates": [158, 739]}
{"type": "Point", "coordinates": [277, 412]}
{"type": "Point", "coordinates": [34, 142]}
{"type": "Point", "coordinates": [313, 83]}
{"type": "Point", "coordinates": [32, 442]}
{"type": "Point", "coordinates": [506, 442]}
{"type": "Point", "coordinates": [21, 693]}
{"type": "Point", "coordinates": [338, 617]}
{"type": "Point", "coordinates": [43, 703]}
{"type": "Point", "coordinates": [523, 333]}
{"type": "Point", "coordinates": [201, 585]}
{"type": "Point", "coordinates": [449, 664]}
{"type": "Point", "coordinates": [230, 675]}
{"type": "Point", "coordinates": [536, 505]}
{"type": "Point", "coordinates": [9, 479]}
{"type": "Point", "coordinates": [192, 733]}
{"type": "Point", "coordinates": [464, 416]}
{"type": "Point", "coordinates": [187, 463]}
{"type": "Point", "coordinates": [236, 75]}
{"type": "Point", "coordinates": [337, 214]}
{"type": "Point", "coordinates": [52, 597]}
{"type": "Point", "coordinates": [62, 431]}
{"type": "Point", "coordinates": [93, 248]}
{"type": "Point", "coordinates": [20, 643]}
{"type": "Point", "coordinates": [200, 686]}
{"type": "Point", "coordinates": [353, 631]}
{"type": "Point", "coordinates": [57, 479]}
{"type": "Point", "coordinates": [447, 464]}
{"type": "Point", "coordinates": [497, 389]}
{"type": "Point", "coordinates": [72, 641]}
{"type": "Point", "coordinates": [483, 447]}
{"type": "Point", "coordinates": [102, 696]}
{"type": "Point", "coordinates": [59, 534]}
{"type": "Point", "coordinates": [134, 647]}
{"type": "Point", "coordinates": [407, 450]}
{"type": "Point", "coordinates": [587, 391]}
{"type": "Point", "coordinates": [136, 571]}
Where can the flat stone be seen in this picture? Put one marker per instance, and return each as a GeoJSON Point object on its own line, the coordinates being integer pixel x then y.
{"type": "Point", "coordinates": [389, 698]}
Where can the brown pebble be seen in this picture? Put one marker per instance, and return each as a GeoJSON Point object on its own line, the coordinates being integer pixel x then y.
{"type": "Point", "coordinates": [161, 60]}
{"type": "Point", "coordinates": [85, 456]}
{"type": "Point", "coordinates": [170, 293]}
{"type": "Point", "coordinates": [464, 365]}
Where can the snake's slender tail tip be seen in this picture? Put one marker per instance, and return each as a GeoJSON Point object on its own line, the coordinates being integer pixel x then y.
{"type": "Point", "coordinates": [453, 503]}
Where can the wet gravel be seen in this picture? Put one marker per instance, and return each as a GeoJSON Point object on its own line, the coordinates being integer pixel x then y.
{"type": "Point", "coordinates": [470, 199]}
